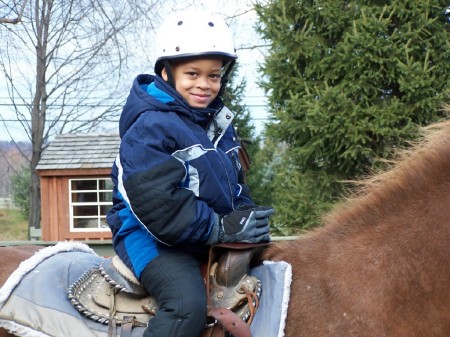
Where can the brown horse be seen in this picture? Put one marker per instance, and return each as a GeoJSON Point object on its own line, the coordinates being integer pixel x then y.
{"type": "Point", "coordinates": [380, 265]}
{"type": "Point", "coordinates": [10, 258]}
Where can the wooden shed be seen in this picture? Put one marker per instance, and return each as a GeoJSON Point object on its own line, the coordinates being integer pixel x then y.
{"type": "Point", "coordinates": [76, 189]}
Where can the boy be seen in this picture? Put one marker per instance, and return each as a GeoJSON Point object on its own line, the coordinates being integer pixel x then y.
{"type": "Point", "coordinates": [177, 188]}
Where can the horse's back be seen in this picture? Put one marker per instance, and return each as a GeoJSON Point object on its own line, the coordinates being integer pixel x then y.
{"type": "Point", "coordinates": [11, 257]}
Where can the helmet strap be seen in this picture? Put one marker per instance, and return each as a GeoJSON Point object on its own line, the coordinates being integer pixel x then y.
{"type": "Point", "coordinates": [224, 81]}
{"type": "Point", "coordinates": [169, 73]}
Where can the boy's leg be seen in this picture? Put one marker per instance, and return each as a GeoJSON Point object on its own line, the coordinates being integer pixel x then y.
{"type": "Point", "coordinates": [175, 280]}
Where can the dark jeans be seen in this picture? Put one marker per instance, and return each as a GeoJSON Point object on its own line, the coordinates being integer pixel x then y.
{"type": "Point", "coordinates": [175, 279]}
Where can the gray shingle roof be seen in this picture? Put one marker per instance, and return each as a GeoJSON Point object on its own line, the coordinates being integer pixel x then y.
{"type": "Point", "coordinates": [80, 151]}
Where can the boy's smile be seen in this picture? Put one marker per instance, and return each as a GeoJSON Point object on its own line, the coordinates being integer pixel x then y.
{"type": "Point", "coordinates": [198, 80]}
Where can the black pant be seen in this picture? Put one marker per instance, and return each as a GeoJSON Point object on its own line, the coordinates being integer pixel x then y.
{"type": "Point", "coordinates": [174, 279]}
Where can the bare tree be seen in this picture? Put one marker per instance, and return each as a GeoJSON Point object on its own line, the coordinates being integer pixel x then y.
{"type": "Point", "coordinates": [17, 17]}
{"type": "Point", "coordinates": [11, 162]}
{"type": "Point", "coordinates": [64, 61]}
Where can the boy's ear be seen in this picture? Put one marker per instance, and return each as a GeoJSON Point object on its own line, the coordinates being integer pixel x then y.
{"type": "Point", "coordinates": [164, 74]}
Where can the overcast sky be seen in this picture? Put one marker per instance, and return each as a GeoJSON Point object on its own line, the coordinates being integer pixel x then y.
{"type": "Point", "coordinates": [242, 25]}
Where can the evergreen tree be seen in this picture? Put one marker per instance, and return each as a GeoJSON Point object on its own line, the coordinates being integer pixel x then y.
{"type": "Point", "coordinates": [233, 99]}
{"type": "Point", "coordinates": [20, 184]}
{"type": "Point", "coordinates": [347, 82]}
{"type": "Point", "coordinates": [262, 171]}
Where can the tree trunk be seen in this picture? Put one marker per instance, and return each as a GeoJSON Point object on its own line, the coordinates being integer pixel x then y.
{"type": "Point", "coordinates": [34, 218]}
{"type": "Point", "coordinates": [38, 118]}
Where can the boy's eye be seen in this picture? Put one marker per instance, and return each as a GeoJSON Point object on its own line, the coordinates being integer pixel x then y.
{"type": "Point", "coordinates": [216, 76]}
{"type": "Point", "coordinates": [191, 73]}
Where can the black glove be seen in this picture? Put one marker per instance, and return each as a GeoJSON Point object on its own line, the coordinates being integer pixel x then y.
{"type": "Point", "coordinates": [243, 225]}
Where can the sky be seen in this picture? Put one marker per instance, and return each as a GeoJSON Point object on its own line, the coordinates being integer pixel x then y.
{"type": "Point", "coordinates": [246, 37]}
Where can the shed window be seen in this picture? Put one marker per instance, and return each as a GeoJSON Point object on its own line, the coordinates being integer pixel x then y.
{"type": "Point", "coordinates": [90, 200]}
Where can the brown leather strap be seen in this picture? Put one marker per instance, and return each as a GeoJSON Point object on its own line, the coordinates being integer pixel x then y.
{"type": "Point", "coordinates": [253, 303]}
{"type": "Point", "coordinates": [231, 322]}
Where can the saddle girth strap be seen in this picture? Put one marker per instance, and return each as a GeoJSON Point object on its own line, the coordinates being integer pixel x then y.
{"type": "Point", "coordinates": [112, 328]}
{"type": "Point", "coordinates": [128, 323]}
{"type": "Point", "coordinates": [127, 326]}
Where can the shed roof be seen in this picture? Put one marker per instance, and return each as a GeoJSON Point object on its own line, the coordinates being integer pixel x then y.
{"type": "Point", "coordinates": [80, 151]}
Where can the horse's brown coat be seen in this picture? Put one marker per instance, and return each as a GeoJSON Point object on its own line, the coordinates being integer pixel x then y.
{"type": "Point", "coordinates": [380, 265]}
{"type": "Point", "coordinates": [10, 258]}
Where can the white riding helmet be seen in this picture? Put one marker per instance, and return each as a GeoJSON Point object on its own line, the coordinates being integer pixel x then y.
{"type": "Point", "coordinates": [193, 33]}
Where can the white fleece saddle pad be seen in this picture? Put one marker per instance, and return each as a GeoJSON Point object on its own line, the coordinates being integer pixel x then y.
{"type": "Point", "coordinates": [33, 301]}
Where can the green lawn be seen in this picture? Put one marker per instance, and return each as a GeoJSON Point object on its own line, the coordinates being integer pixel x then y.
{"type": "Point", "coordinates": [13, 225]}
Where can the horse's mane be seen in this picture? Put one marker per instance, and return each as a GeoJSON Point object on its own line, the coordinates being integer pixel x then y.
{"type": "Point", "coordinates": [412, 193]}
{"type": "Point", "coordinates": [382, 255]}
{"type": "Point", "coordinates": [417, 174]}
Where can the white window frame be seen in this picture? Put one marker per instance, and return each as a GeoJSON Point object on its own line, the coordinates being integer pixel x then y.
{"type": "Point", "coordinates": [98, 203]}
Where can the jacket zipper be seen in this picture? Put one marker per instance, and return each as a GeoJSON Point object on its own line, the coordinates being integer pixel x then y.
{"type": "Point", "coordinates": [228, 179]}
{"type": "Point", "coordinates": [175, 328]}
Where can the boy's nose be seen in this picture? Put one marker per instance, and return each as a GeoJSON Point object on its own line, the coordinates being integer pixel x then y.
{"type": "Point", "coordinates": [203, 83]}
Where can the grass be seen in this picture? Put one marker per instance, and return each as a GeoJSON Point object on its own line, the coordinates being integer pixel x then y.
{"type": "Point", "coordinates": [13, 225]}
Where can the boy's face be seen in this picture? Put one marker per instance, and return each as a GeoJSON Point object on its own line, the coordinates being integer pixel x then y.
{"type": "Point", "coordinates": [198, 81]}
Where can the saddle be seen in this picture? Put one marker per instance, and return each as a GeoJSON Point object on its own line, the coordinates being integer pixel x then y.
{"type": "Point", "coordinates": [110, 293]}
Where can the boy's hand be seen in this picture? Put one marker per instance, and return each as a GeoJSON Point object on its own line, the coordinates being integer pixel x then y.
{"type": "Point", "coordinates": [246, 225]}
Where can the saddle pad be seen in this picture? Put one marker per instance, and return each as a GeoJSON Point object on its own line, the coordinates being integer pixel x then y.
{"type": "Point", "coordinates": [33, 302]}
{"type": "Point", "coordinates": [270, 318]}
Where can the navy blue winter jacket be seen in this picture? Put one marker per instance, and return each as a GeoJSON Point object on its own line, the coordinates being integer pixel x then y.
{"type": "Point", "coordinates": [177, 170]}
